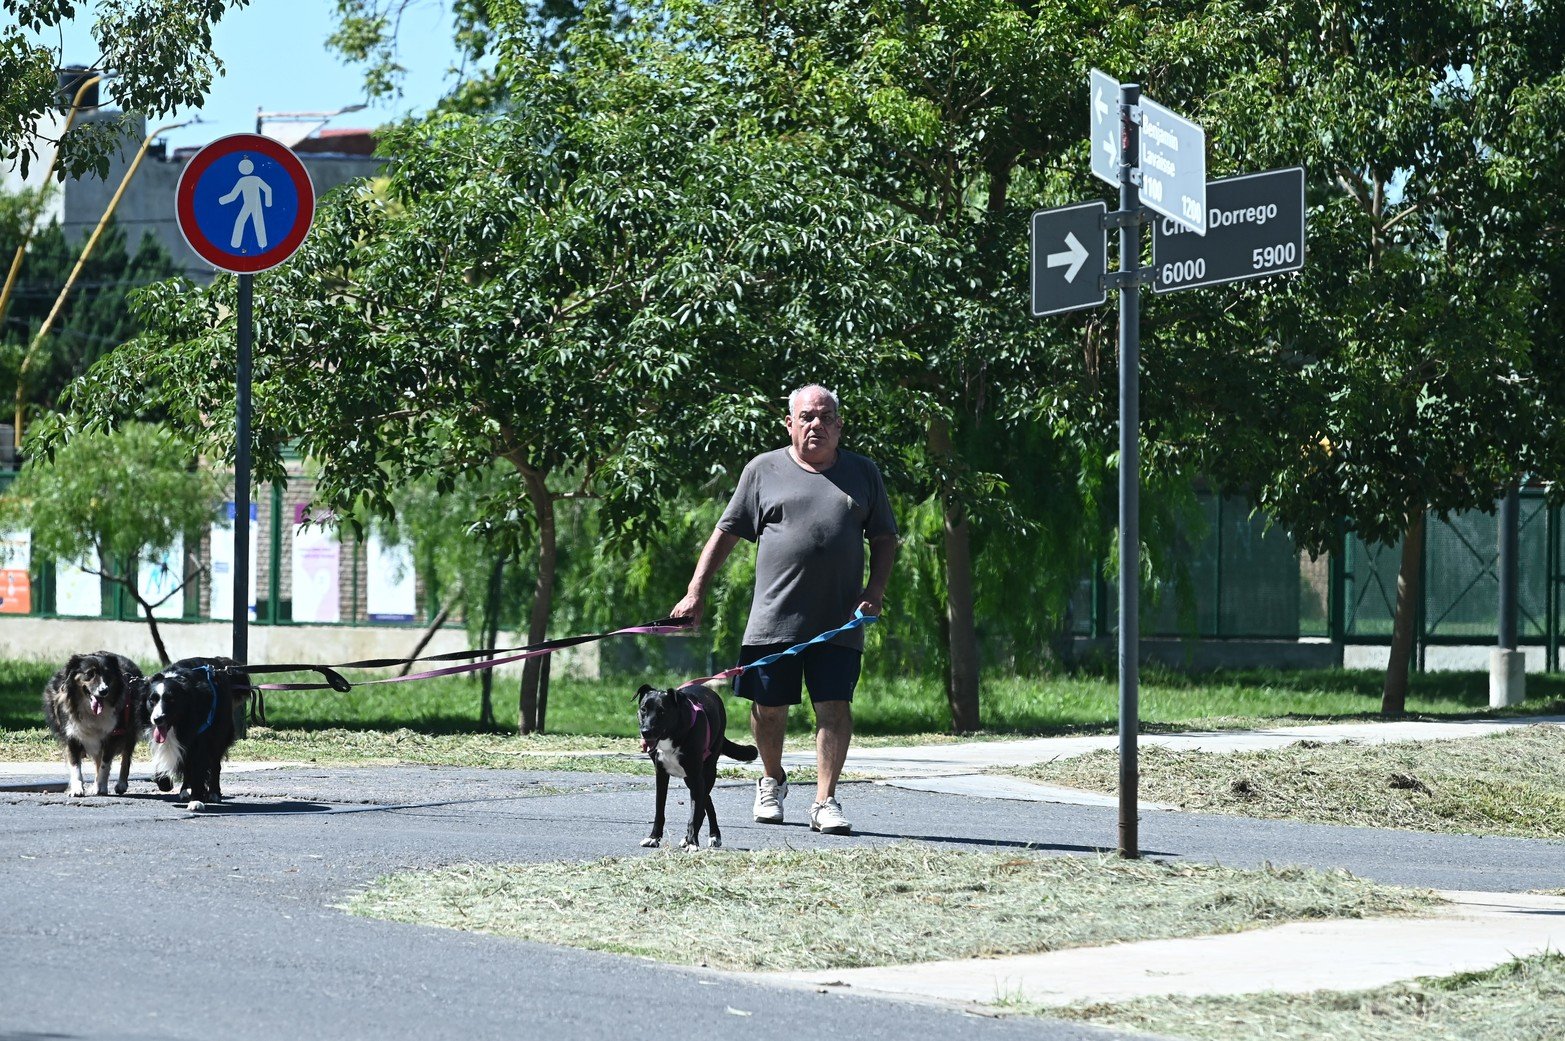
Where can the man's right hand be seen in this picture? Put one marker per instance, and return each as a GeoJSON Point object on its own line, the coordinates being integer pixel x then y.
{"type": "Point", "coordinates": [689, 607]}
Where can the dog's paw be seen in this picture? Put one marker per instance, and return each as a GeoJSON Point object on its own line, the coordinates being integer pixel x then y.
{"type": "Point", "coordinates": [164, 782]}
{"type": "Point", "coordinates": [196, 806]}
{"type": "Point", "coordinates": [121, 788]}
{"type": "Point", "coordinates": [690, 843]}
{"type": "Point", "coordinates": [75, 791]}
{"type": "Point", "coordinates": [651, 843]}
{"type": "Point", "coordinates": [715, 842]}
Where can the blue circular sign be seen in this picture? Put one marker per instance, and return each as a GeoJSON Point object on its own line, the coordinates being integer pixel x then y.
{"type": "Point", "coordinates": [245, 203]}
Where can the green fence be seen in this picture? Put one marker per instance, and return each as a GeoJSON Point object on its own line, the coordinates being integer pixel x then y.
{"type": "Point", "coordinates": [1240, 579]}
{"type": "Point", "coordinates": [1233, 578]}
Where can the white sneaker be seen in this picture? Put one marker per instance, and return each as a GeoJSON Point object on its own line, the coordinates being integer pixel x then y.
{"type": "Point", "coordinates": [826, 817]}
{"type": "Point", "coordinates": [769, 796]}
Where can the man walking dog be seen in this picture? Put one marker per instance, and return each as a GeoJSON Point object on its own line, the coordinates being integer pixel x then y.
{"type": "Point", "coordinates": [809, 507]}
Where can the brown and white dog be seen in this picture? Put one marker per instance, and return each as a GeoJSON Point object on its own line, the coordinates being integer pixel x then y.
{"type": "Point", "coordinates": [94, 707]}
{"type": "Point", "coordinates": [683, 731]}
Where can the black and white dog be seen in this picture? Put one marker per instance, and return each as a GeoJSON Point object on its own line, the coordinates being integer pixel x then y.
{"type": "Point", "coordinates": [94, 707]}
{"type": "Point", "coordinates": [190, 708]}
{"type": "Point", "coordinates": [684, 732]}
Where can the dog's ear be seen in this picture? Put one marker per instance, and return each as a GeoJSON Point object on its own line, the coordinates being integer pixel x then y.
{"type": "Point", "coordinates": [641, 695]}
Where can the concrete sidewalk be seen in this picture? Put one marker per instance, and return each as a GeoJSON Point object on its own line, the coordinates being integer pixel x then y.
{"type": "Point", "coordinates": [1476, 931]}
{"type": "Point", "coordinates": [958, 768]}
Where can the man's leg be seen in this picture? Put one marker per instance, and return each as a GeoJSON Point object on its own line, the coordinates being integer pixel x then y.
{"type": "Point", "coordinates": [769, 725]}
{"type": "Point", "coordinates": [834, 722]}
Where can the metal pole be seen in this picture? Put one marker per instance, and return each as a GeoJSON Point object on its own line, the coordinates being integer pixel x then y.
{"type": "Point", "coordinates": [1551, 595]}
{"type": "Point", "coordinates": [1129, 480]}
{"type": "Point", "coordinates": [242, 477]}
{"type": "Point", "coordinates": [1510, 517]}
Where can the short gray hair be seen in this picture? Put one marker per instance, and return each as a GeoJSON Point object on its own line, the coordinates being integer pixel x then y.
{"type": "Point", "coordinates": [793, 396]}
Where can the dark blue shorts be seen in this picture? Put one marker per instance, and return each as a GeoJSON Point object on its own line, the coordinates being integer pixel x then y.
{"type": "Point", "coordinates": [831, 673]}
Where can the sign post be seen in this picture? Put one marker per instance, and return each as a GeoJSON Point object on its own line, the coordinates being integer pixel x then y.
{"type": "Point", "coordinates": [1130, 217]}
{"type": "Point", "coordinates": [245, 203]}
{"type": "Point", "coordinates": [1250, 227]}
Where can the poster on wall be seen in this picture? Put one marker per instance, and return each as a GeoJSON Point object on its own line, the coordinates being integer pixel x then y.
{"type": "Point", "coordinates": [221, 604]}
{"type": "Point", "coordinates": [389, 589]}
{"type": "Point", "coordinates": [317, 556]}
{"type": "Point", "coordinates": [16, 561]}
{"type": "Point", "coordinates": [77, 590]}
{"type": "Point", "coordinates": [158, 575]}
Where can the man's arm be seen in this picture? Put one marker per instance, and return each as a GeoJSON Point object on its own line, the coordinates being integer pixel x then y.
{"type": "Point", "coordinates": [712, 557]}
{"type": "Point", "coordinates": [882, 554]}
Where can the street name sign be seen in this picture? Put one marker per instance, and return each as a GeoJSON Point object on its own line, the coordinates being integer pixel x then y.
{"type": "Point", "coordinates": [245, 203]}
{"type": "Point", "coordinates": [1103, 125]}
{"type": "Point", "coordinates": [1070, 251]}
{"type": "Point", "coordinates": [1173, 165]}
{"type": "Point", "coordinates": [1255, 228]}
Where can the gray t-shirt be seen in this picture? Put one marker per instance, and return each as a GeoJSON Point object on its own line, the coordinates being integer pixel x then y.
{"type": "Point", "coordinates": [810, 530]}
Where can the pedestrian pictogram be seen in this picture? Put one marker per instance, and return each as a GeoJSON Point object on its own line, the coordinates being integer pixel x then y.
{"type": "Point", "coordinates": [253, 190]}
{"type": "Point", "coordinates": [245, 203]}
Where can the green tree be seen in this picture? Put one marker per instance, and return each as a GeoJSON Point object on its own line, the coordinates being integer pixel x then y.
{"type": "Point", "coordinates": [159, 52]}
{"type": "Point", "coordinates": [469, 567]}
{"type": "Point", "coordinates": [1403, 380]}
{"type": "Point", "coordinates": [607, 290]}
{"type": "Point", "coordinates": [125, 496]}
{"type": "Point", "coordinates": [964, 117]}
{"type": "Point", "coordinates": [97, 316]}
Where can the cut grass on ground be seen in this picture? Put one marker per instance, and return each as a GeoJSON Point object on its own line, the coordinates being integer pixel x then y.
{"type": "Point", "coordinates": [328, 726]}
{"type": "Point", "coordinates": [1523, 1000]}
{"type": "Point", "coordinates": [792, 909]}
{"type": "Point", "coordinates": [1511, 783]}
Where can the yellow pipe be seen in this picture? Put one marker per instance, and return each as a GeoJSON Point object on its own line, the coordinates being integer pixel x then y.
{"type": "Point", "coordinates": [65, 290]}
{"type": "Point", "coordinates": [27, 231]}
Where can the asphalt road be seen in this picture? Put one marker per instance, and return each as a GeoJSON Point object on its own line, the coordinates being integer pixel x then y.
{"type": "Point", "coordinates": [131, 918]}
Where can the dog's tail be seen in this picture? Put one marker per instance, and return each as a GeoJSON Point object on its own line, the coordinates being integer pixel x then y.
{"type": "Point", "coordinates": [743, 753]}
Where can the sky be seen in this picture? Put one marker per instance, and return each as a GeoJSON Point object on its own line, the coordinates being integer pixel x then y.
{"type": "Point", "coordinates": [276, 59]}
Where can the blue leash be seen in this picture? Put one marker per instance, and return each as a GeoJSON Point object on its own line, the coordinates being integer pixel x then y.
{"type": "Point", "coordinates": [860, 620]}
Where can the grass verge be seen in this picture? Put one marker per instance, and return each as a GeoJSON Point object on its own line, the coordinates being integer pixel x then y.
{"type": "Point", "coordinates": [792, 909]}
{"type": "Point", "coordinates": [1523, 1000]}
{"type": "Point", "coordinates": [1511, 783]}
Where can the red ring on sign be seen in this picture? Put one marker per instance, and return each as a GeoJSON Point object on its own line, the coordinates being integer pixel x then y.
{"type": "Point", "coordinates": [190, 228]}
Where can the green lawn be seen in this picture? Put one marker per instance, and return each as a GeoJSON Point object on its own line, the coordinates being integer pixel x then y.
{"type": "Point", "coordinates": [890, 709]}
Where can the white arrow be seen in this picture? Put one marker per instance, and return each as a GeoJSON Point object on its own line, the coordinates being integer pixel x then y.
{"type": "Point", "coordinates": [1072, 258]}
{"type": "Point", "coordinates": [1103, 110]}
{"type": "Point", "coordinates": [1108, 147]}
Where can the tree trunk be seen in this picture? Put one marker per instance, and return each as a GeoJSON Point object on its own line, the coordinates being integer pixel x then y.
{"type": "Point", "coordinates": [534, 677]}
{"type": "Point", "coordinates": [430, 630]}
{"type": "Point", "coordinates": [963, 688]}
{"type": "Point", "coordinates": [152, 620]}
{"type": "Point", "coordinates": [491, 636]}
{"type": "Point", "coordinates": [1393, 699]}
{"type": "Point", "coordinates": [962, 641]}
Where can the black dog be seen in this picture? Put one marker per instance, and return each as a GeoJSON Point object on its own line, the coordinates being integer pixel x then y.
{"type": "Point", "coordinates": [94, 706]}
{"type": "Point", "coordinates": [190, 707]}
{"type": "Point", "coordinates": [683, 731]}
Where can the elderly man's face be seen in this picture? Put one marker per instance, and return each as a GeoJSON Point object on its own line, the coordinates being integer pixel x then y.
{"type": "Point", "coordinates": [815, 428]}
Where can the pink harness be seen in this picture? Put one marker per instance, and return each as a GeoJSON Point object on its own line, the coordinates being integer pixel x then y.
{"type": "Point", "coordinates": [713, 741]}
